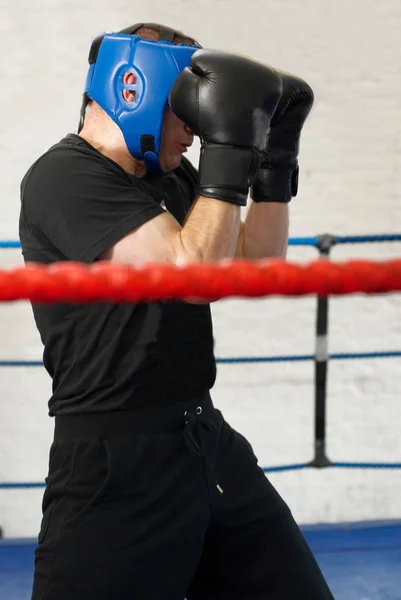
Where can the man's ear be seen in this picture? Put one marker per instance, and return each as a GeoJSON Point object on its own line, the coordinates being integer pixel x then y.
{"type": "Point", "coordinates": [129, 95]}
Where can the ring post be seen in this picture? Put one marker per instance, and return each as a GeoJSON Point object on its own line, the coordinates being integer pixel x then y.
{"type": "Point", "coordinates": [320, 460]}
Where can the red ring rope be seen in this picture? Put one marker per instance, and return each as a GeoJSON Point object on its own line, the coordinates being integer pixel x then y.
{"type": "Point", "coordinates": [76, 282]}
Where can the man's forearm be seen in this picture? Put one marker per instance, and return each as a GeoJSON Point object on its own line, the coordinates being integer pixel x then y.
{"type": "Point", "coordinates": [264, 233]}
{"type": "Point", "coordinates": [210, 231]}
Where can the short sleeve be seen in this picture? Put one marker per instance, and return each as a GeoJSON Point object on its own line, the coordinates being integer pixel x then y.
{"type": "Point", "coordinates": [83, 203]}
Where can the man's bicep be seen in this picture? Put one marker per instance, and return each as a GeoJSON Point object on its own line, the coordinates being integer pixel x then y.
{"type": "Point", "coordinates": [157, 240]}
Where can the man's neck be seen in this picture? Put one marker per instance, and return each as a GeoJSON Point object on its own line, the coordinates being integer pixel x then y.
{"type": "Point", "coordinates": [114, 148]}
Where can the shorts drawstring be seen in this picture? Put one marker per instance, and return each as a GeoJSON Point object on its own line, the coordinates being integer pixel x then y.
{"type": "Point", "coordinates": [192, 421]}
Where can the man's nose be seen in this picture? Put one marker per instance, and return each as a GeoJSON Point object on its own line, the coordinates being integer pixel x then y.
{"type": "Point", "coordinates": [188, 130]}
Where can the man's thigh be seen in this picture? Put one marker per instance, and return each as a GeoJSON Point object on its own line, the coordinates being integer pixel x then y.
{"type": "Point", "coordinates": [254, 549]}
{"type": "Point", "coordinates": [117, 528]}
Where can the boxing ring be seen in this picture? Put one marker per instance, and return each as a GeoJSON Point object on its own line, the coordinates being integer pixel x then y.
{"type": "Point", "coordinates": [361, 561]}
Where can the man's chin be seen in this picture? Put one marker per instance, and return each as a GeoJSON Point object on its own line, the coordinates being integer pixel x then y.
{"type": "Point", "coordinates": [172, 163]}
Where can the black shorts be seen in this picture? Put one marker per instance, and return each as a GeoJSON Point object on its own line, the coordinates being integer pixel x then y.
{"type": "Point", "coordinates": [134, 510]}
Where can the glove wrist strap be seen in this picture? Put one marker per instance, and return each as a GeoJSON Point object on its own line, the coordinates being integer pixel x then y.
{"type": "Point", "coordinates": [226, 172]}
{"type": "Point", "coordinates": [275, 184]}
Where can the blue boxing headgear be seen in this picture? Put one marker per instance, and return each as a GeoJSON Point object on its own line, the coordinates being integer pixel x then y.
{"type": "Point", "coordinates": [155, 66]}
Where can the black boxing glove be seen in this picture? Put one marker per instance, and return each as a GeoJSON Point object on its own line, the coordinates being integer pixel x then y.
{"type": "Point", "coordinates": [228, 101]}
{"type": "Point", "coordinates": [277, 179]}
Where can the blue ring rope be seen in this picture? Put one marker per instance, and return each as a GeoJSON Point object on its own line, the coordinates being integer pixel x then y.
{"type": "Point", "coordinates": [6, 244]}
{"type": "Point", "coordinates": [246, 359]}
{"type": "Point", "coordinates": [339, 465]}
{"type": "Point", "coordinates": [293, 241]}
{"type": "Point", "coordinates": [280, 468]}
{"type": "Point", "coordinates": [362, 239]}
{"type": "Point", "coordinates": [19, 486]}
{"type": "Point", "coordinates": [305, 357]}
{"type": "Point", "coordinates": [367, 465]}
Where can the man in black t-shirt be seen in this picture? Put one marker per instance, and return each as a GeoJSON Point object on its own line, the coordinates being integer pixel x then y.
{"type": "Point", "coordinates": [150, 493]}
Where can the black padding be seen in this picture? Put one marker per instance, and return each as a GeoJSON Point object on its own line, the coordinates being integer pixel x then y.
{"type": "Point", "coordinates": [94, 51]}
{"type": "Point", "coordinates": [166, 35]}
{"type": "Point", "coordinates": [147, 144]}
{"type": "Point", "coordinates": [85, 102]}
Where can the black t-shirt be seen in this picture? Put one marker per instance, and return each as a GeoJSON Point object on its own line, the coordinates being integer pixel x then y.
{"type": "Point", "coordinates": [76, 203]}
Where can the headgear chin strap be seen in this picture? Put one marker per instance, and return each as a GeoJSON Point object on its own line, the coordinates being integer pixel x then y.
{"type": "Point", "coordinates": [155, 66]}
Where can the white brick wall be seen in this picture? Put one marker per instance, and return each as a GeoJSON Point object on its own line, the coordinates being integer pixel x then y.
{"type": "Point", "coordinates": [350, 177]}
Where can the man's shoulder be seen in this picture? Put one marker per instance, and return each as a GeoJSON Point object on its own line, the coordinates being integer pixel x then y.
{"type": "Point", "coordinates": [71, 157]}
{"type": "Point", "coordinates": [74, 150]}
{"type": "Point", "coordinates": [70, 146]}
